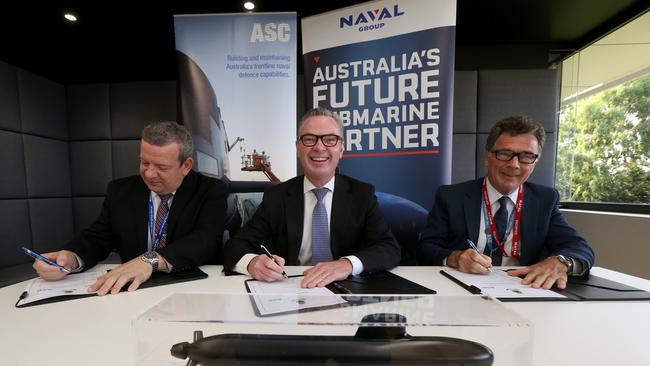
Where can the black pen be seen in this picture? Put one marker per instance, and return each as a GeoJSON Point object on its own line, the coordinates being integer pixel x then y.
{"type": "Point", "coordinates": [341, 288]}
{"type": "Point", "coordinates": [268, 254]}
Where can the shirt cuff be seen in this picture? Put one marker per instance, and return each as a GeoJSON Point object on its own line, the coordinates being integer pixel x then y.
{"type": "Point", "coordinates": [357, 266]}
{"type": "Point", "coordinates": [242, 265]}
{"type": "Point", "coordinates": [169, 268]}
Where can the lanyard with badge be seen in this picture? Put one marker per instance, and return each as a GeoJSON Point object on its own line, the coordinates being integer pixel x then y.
{"type": "Point", "coordinates": [514, 222]}
{"type": "Point", "coordinates": [155, 237]}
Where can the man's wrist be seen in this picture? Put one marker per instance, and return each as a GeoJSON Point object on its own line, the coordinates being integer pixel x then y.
{"type": "Point", "coordinates": [80, 264]}
{"type": "Point", "coordinates": [567, 261]}
{"type": "Point", "coordinates": [151, 257]}
{"type": "Point", "coordinates": [244, 262]}
{"type": "Point", "coordinates": [452, 259]}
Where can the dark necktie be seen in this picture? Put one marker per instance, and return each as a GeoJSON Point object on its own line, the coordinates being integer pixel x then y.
{"type": "Point", "coordinates": [501, 222]}
{"type": "Point", "coordinates": [320, 233]}
{"type": "Point", "coordinates": [161, 215]}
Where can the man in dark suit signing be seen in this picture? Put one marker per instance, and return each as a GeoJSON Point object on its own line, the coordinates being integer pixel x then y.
{"type": "Point", "coordinates": [169, 218]}
{"type": "Point", "coordinates": [330, 221]}
{"type": "Point", "coordinates": [512, 222]}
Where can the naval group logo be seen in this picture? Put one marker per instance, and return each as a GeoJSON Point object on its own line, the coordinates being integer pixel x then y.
{"type": "Point", "coordinates": [370, 20]}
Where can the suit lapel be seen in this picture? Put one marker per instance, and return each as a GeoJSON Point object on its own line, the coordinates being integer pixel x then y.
{"type": "Point", "coordinates": [472, 210]}
{"type": "Point", "coordinates": [339, 200]}
{"type": "Point", "coordinates": [140, 209]}
{"type": "Point", "coordinates": [181, 198]}
{"type": "Point", "coordinates": [294, 204]}
{"type": "Point", "coordinates": [528, 228]}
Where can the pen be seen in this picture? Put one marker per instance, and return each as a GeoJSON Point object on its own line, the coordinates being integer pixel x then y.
{"type": "Point", "coordinates": [48, 261]}
{"type": "Point", "coordinates": [341, 288]}
{"type": "Point", "coordinates": [471, 244]}
{"type": "Point", "coordinates": [268, 254]}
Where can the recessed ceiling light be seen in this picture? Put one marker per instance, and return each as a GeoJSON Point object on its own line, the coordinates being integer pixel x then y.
{"type": "Point", "coordinates": [249, 5]}
{"type": "Point", "coordinates": [70, 17]}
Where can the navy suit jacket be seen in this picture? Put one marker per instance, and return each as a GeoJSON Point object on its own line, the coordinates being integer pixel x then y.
{"type": "Point", "coordinates": [194, 228]}
{"type": "Point", "coordinates": [357, 226]}
{"type": "Point", "coordinates": [456, 216]}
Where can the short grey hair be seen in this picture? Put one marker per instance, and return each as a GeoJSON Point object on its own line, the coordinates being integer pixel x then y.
{"type": "Point", "coordinates": [167, 132]}
{"type": "Point", "coordinates": [514, 126]}
{"type": "Point", "coordinates": [320, 111]}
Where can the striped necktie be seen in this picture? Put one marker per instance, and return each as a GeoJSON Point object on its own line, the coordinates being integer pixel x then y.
{"type": "Point", "coordinates": [161, 222]}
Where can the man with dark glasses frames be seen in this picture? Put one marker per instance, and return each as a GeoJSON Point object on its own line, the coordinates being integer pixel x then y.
{"type": "Point", "coordinates": [324, 219]}
{"type": "Point", "coordinates": [512, 222]}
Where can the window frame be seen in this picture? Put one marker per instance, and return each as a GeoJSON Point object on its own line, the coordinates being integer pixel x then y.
{"type": "Point", "coordinates": [630, 208]}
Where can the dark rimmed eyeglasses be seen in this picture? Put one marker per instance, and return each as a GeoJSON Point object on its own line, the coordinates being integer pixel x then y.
{"type": "Point", "coordinates": [507, 155]}
{"type": "Point", "coordinates": [310, 140]}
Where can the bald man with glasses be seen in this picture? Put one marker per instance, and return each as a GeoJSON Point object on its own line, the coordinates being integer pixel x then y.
{"type": "Point", "coordinates": [503, 220]}
{"type": "Point", "coordinates": [320, 219]}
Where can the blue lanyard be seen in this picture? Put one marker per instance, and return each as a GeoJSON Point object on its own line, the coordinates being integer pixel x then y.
{"type": "Point", "coordinates": [155, 237]}
{"type": "Point", "coordinates": [486, 223]}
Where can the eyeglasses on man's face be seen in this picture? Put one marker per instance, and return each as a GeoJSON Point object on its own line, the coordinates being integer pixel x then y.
{"type": "Point", "coordinates": [507, 155]}
{"type": "Point", "coordinates": [310, 140]}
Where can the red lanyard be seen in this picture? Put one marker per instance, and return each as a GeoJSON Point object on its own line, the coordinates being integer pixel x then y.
{"type": "Point", "coordinates": [515, 230]}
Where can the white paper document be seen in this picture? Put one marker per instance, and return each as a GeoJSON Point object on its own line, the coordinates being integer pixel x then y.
{"type": "Point", "coordinates": [498, 284]}
{"type": "Point", "coordinates": [287, 296]}
{"type": "Point", "coordinates": [74, 284]}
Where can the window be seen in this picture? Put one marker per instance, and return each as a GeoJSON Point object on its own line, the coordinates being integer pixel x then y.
{"type": "Point", "coordinates": [604, 120]}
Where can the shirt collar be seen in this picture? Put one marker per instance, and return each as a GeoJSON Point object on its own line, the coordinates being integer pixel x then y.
{"type": "Point", "coordinates": [155, 195]}
{"type": "Point", "coordinates": [308, 186]}
{"type": "Point", "coordinates": [495, 195]}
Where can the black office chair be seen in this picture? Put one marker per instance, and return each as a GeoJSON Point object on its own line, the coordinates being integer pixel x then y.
{"type": "Point", "coordinates": [406, 220]}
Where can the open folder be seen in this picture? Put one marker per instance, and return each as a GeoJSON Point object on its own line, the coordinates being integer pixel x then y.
{"type": "Point", "coordinates": [498, 284]}
{"type": "Point", "coordinates": [283, 297]}
{"type": "Point", "coordinates": [74, 286]}
{"type": "Point", "coordinates": [384, 282]}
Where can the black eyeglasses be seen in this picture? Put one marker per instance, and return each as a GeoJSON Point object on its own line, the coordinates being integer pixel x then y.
{"type": "Point", "coordinates": [310, 140]}
{"type": "Point", "coordinates": [507, 155]}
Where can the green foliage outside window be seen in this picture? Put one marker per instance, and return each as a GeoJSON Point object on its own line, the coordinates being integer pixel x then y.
{"type": "Point", "coordinates": [604, 146]}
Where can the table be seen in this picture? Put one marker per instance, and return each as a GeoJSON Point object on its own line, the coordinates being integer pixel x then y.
{"type": "Point", "coordinates": [99, 330]}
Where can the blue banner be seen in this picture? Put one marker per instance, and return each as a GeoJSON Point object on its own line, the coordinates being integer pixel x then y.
{"type": "Point", "coordinates": [387, 69]}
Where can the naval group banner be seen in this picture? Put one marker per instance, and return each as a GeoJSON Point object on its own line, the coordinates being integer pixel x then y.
{"type": "Point", "coordinates": [387, 68]}
{"type": "Point", "coordinates": [237, 82]}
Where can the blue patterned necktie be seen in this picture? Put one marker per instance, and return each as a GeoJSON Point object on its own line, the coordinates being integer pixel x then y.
{"type": "Point", "coordinates": [161, 215]}
{"type": "Point", "coordinates": [320, 233]}
{"type": "Point", "coordinates": [501, 222]}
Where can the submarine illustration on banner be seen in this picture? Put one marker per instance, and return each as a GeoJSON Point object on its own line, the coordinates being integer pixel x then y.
{"type": "Point", "coordinates": [201, 114]}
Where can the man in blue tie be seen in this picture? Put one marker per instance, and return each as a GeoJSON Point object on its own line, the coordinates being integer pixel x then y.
{"type": "Point", "coordinates": [323, 219]}
{"type": "Point", "coordinates": [169, 218]}
{"type": "Point", "coordinates": [512, 222]}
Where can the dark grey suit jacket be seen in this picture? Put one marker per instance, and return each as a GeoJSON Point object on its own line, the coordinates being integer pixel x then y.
{"type": "Point", "coordinates": [194, 229]}
{"type": "Point", "coordinates": [456, 216]}
{"type": "Point", "coordinates": [357, 226]}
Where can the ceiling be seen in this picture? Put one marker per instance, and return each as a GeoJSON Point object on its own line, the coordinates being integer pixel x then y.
{"type": "Point", "coordinates": [133, 40]}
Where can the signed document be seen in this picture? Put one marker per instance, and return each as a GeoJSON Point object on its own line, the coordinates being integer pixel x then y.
{"type": "Point", "coordinates": [498, 284]}
{"type": "Point", "coordinates": [286, 296]}
{"type": "Point", "coordinates": [71, 285]}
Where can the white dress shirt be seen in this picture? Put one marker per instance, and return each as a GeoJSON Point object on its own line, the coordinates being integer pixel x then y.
{"type": "Point", "coordinates": [304, 255]}
{"type": "Point", "coordinates": [484, 231]}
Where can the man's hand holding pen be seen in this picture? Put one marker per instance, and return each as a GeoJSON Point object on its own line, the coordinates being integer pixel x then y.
{"type": "Point", "coordinates": [470, 260]}
{"type": "Point", "coordinates": [49, 272]}
{"type": "Point", "coordinates": [267, 267]}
